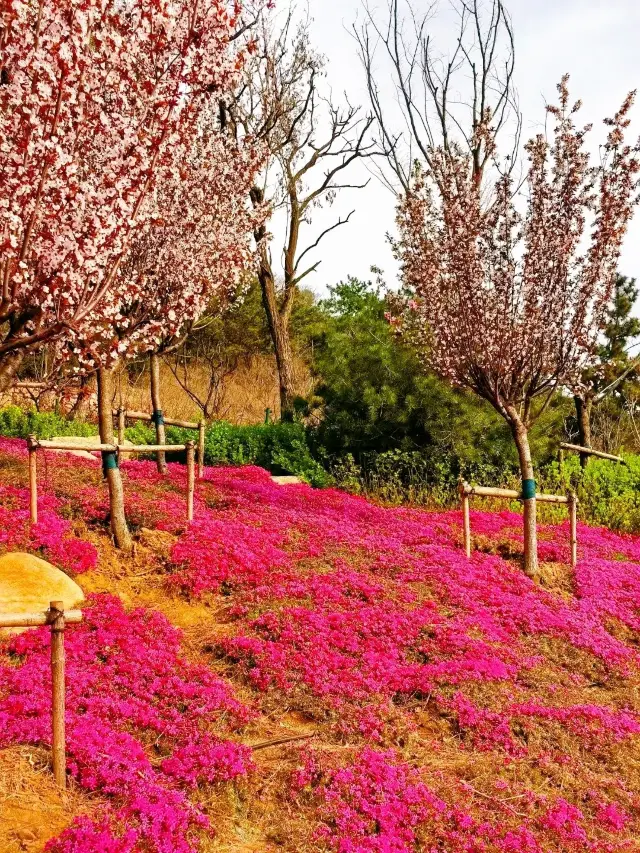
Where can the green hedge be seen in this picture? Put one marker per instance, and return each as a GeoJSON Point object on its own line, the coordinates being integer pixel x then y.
{"type": "Point", "coordinates": [609, 493]}
{"type": "Point", "coordinates": [279, 447]}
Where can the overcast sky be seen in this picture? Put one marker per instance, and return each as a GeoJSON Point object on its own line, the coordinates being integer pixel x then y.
{"type": "Point", "coordinates": [595, 41]}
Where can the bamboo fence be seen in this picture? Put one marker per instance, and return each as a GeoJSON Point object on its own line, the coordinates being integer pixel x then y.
{"type": "Point", "coordinates": [124, 415]}
{"type": "Point", "coordinates": [33, 444]}
{"type": "Point", "coordinates": [588, 451]}
{"type": "Point", "coordinates": [467, 492]}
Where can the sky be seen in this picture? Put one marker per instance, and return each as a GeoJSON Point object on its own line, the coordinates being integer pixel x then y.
{"type": "Point", "coordinates": [595, 41]}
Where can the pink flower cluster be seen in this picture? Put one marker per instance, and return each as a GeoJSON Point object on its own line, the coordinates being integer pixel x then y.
{"type": "Point", "coordinates": [52, 537]}
{"type": "Point", "coordinates": [380, 804]}
{"type": "Point", "coordinates": [125, 674]}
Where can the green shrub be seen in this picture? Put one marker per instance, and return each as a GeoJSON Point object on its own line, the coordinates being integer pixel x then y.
{"type": "Point", "coordinates": [279, 447]}
{"type": "Point", "coordinates": [16, 423]}
{"type": "Point", "coordinates": [609, 493]}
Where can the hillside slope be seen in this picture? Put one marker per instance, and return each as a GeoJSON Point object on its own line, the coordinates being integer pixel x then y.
{"type": "Point", "coordinates": [302, 670]}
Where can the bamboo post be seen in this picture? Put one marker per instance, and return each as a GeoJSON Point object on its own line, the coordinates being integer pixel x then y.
{"type": "Point", "coordinates": [122, 421]}
{"type": "Point", "coordinates": [573, 527]}
{"type": "Point", "coordinates": [56, 609]}
{"type": "Point", "coordinates": [32, 444]}
{"type": "Point", "coordinates": [191, 479]}
{"type": "Point", "coordinates": [201, 428]}
{"type": "Point", "coordinates": [466, 519]}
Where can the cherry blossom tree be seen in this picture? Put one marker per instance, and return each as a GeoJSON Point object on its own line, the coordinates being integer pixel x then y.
{"type": "Point", "coordinates": [196, 250]}
{"type": "Point", "coordinates": [100, 104]}
{"type": "Point", "coordinates": [505, 301]}
{"type": "Point", "coordinates": [510, 304]}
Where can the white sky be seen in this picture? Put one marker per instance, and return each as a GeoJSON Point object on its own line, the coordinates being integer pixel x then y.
{"type": "Point", "coordinates": [595, 41]}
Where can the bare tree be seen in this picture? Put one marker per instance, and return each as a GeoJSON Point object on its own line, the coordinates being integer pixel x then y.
{"type": "Point", "coordinates": [201, 367]}
{"type": "Point", "coordinates": [312, 143]}
{"type": "Point", "coordinates": [443, 99]}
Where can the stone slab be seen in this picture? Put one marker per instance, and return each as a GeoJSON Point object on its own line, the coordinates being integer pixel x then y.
{"type": "Point", "coordinates": [28, 585]}
{"type": "Point", "coordinates": [286, 481]}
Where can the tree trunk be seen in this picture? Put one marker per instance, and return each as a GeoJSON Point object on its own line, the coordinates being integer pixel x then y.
{"type": "Point", "coordinates": [80, 408]}
{"type": "Point", "coordinates": [9, 366]}
{"type": "Point", "coordinates": [279, 327]}
{"type": "Point", "coordinates": [584, 408]}
{"type": "Point", "coordinates": [156, 404]}
{"type": "Point", "coordinates": [521, 438]}
{"type": "Point", "coordinates": [119, 526]}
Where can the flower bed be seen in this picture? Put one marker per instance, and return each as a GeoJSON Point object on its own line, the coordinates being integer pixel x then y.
{"type": "Point", "coordinates": [457, 705]}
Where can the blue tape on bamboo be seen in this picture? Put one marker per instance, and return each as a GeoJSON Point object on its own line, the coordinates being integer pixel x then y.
{"type": "Point", "coordinates": [158, 417]}
{"type": "Point", "coordinates": [109, 461]}
{"type": "Point", "coordinates": [528, 489]}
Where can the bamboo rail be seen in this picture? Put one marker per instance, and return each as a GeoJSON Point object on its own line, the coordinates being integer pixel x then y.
{"type": "Point", "coordinates": [467, 492]}
{"type": "Point", "coordinates": [58, 619]}
{"type": "Point", "coordinates": [127, 414]}
{"type": "Point", "coordinates": [150, 448]}
{"type": "Point", "coordinates": [145, 416]}
{"type": "Point", "coordinates": [587, 451]}
{"type": "Point", "coordinates": [510, 494]}
{"type": "Point", "coordinates": [33, 443]}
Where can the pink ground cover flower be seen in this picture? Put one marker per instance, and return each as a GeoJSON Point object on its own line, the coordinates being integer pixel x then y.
{"type": "Point", "coordinates": [364, 614]}
{"type": "Point", "coordinates": [125, 674]}
{"type": "Point", "coordinates": [52, 537]}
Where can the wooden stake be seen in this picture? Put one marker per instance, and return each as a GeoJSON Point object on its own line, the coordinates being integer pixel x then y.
{"type": "Point", "coordinates": [573, 527]}
{"type": "Point", "coordinates": [191, 478]}
{"type": "Point", "coordinates": [122, 421]}
{"type": "Point", "coordinates": [467, 525]}
{"type": "Point", "coordinates": [32, 444]}
{"type": "Point", "coordinates": [56, 609]}
{"type": "Point", "coordinates": [466, 519]}
{"type": "Point", "coordinates": [201, 429]}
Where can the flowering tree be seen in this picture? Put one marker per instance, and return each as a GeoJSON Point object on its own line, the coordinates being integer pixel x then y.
{"type": "Point", "coordinates": [196, 249]}
{"type": "Point", "coordinates": [510, 305]}
{"type": "Point", "coordinates": [100, 104]}
{"type": "Point", "coordinates": [504, 303]}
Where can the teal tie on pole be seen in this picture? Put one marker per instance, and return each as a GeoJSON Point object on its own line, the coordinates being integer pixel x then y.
{"type": "Point", "coordinates": [528, 489]}
{"type": "Point", "coordinates": [109, 461]}
{"type": "Point", "coordinates": [158, 417]}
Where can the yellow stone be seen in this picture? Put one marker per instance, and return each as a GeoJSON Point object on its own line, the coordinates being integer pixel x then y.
{"type": "Point", "coordinates": [28, 585]}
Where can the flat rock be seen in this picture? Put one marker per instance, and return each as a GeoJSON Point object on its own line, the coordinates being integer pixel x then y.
{"type": "Point", "coordinates": [76, 443]}
{"type": "Point", "coordinates": [29, 584]}
{"type": "Point", "coordinates": [286, 481]}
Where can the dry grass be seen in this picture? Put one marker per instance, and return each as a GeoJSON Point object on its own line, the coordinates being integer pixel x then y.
{"type": "Point", "coordinates": [32, 809]}
{"type": "Point", "coordinates": [245, 395]}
